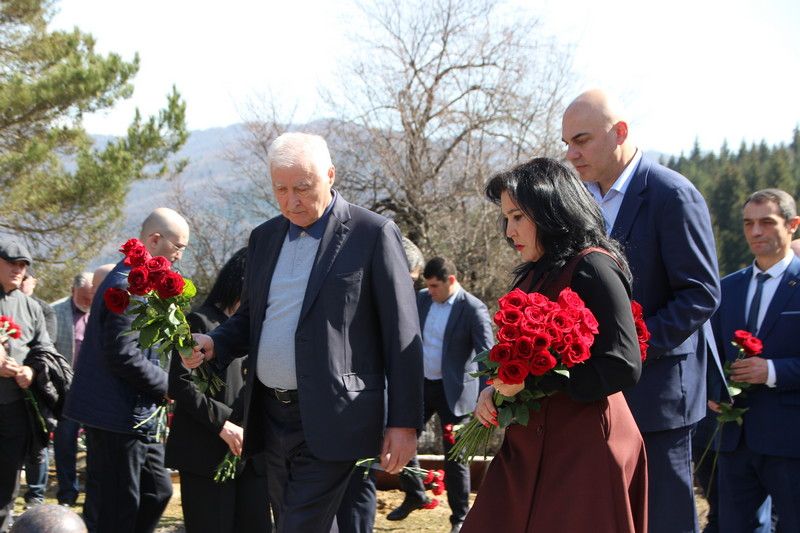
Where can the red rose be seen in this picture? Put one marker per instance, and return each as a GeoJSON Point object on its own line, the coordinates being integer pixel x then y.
{"type": "Point", "coordinates": [564, 319]}
{"type": "Point", "coordinates": [530, 329]}
{"type": "Point", "coordinates": [156, 267]}
{"type": "Point", "coordinates": [569, 299]}
{"type": "Point", "coordinates": [577, 352]}
{"type": "Point", "coordinates": [534, 314]}
{"type": "Point", "coordinates": [523, 348]}
{"type": "Point", "coordinates": [641, 331]}
{"type": "Point", "coordinates": [589, 321]}
{"type": "Point", "coordinates": [513, 372]}
{"type": "Point", "coordinates": [500, 353]}
{"type": "Point", "coordinates": [431, 504]}
{"type": "Point", "coordinates": [116, 299]}
{"type": "Point", "coordinates": [516, 299]}
{"type": "Point", "coordinates": [171, 284]}
{"type": "Point", "coordinates": [541, 341]}
{"type": "Point", "coordinates": [447, 434]}
{"type": "Point", "coordinates": [541, 363]}
{"type": "Point", "coordinates": [752, 346]}
{"type": "Point", "coordinates": [643, 350]}
{"type": "Point", "coordinates": [538, 299]}
{"type": "Point", "coordinates": [511, 316]}
{"type": "Point", "coordinates": [740, 335]}
{"type": "Point", "coordinates": [12, 329]}
{"type": "Point", "coordinates": [429, 477]}
{"type": "Point", "coordinates": [135, 253]}
{"type": "Point", "coordinates": [636, 309]}
{"type": "Point", "coordinates": [138, 281]}
{"type": "Point", "coordinates": [440, 476]}
{"type": "Point", "coordinates": [507, 333]}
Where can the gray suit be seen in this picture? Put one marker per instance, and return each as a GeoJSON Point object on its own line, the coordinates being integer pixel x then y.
{"type": "Point", "coordinates": [65, 337]}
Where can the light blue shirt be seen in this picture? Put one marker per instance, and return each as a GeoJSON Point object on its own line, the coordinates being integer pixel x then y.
{"type": "Point", "coordinates": [611, 201]}
{"type": "Point", "coordinates": [433, 336]}
{"type": "Point", "coordinates": [768, 290]}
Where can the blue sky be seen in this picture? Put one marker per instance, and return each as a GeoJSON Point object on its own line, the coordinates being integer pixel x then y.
{"type": "Point", "coordinates": [705, 69]}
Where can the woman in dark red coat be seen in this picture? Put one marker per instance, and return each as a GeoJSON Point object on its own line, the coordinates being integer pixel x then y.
{"type": "Point", "coordinates": [579, 465]}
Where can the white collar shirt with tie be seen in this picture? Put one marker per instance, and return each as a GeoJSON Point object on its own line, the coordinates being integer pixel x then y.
{"type": "Point", "coordinates": [768, 290]}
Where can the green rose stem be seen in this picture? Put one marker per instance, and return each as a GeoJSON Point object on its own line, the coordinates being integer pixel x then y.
{"type": "Point", "coordinates": [29, 397]}
{"type": "Point", "coordinates": [226, 470]}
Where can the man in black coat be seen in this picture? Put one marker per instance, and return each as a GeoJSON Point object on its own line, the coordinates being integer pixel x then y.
{"type": "Point", "coordinates": [327, 316]}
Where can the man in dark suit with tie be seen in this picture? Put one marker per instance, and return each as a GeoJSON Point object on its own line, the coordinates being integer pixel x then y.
{"type": "Point", "coordinates": [328, 317]}
{"type": "Point", "coordinates": [761, 458]}
{"type": "Point", "coordinates": [455, 327]}
{"type": "Point", "coordinates": [664, 226]}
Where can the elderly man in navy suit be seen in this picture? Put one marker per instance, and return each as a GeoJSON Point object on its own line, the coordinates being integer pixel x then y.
{"type": "Point", "coordinates": [761, 458]}
{"type": "Point", "coordinates": [663, 224]}
{"type": "Point", "coordinates": [329, 318]}
{"type": "Point", "coordinates": [455, 327]}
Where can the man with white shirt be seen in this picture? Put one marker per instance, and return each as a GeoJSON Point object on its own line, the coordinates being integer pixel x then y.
{"type": "Point", "coordinates": [664, 226]}
{"type": "Point", "coordinates": [761, 458]}
{"type": "Point", "coordinates": [455, 327]}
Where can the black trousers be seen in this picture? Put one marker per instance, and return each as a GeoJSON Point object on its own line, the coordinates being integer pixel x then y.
{"type": "Point", "coordinates": [236, 506]}
{"type": "Point", "coordinates": [127, 486]}
{"type": "Point", "coordinates": [456, 475]}
{"type": "Point", "coordinates": [304, 491]}
{"type": "Point", "coordinates": [15, 435]}
{"type": "Point", "coordinates": [356, 513]}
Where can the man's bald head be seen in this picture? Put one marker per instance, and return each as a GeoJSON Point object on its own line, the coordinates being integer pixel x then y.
{"type": "Point", "coordinates": [596, 134]}
{"type": "Point", "coordinates": [100, 274]}
{"type": "Point", "coordinates": [165, 233]}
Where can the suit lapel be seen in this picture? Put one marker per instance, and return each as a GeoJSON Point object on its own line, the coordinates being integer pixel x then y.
{"type": "Point", "coordinates": [452, 320]}
{"type": "Point", "coordinates": [265, 264]}
{"type": "Point", "coordinates": [788, 284]}
{"type": "Point", "coordinates": [329, 247]}
{"type": "Point", "coordinates": [631, 202]}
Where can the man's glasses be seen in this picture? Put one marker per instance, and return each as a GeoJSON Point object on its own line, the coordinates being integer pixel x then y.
{"type": "Point", "coordinates": [177, 247]}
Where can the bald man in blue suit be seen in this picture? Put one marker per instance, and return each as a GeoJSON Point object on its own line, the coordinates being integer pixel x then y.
{"type": "Point", "coordinates": [664, 226]}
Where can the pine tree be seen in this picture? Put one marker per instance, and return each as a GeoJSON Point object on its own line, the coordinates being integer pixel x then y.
{"type": "Point", "coordinates": [61, 194]}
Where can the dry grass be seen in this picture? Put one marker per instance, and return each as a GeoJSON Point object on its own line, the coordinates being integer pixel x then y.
{"type": "Point", "coordinates": [430, 521]}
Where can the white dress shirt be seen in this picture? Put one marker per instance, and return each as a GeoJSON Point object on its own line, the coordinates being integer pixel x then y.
{"type": "Point", "coordinates": [771, 285]}
{"type": "Point", "coordinates": [611, 201]}
{"type": "Point", "coordinates": [433, 336]}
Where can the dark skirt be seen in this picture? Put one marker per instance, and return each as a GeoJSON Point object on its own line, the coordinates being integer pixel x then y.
{"type": "Point", "coordinates": [575, 467]}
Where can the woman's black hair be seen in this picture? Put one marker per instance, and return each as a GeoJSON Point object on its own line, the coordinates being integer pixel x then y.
{"type": "Point", "coordinates": [227, 289]}
{"type": "Point", "coordinates": [566, 216]}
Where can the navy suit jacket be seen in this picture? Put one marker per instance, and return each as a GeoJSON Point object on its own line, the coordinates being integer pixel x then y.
{"type": "Point", "coordinates": [467, 333]}
{"type": "Point", "coordinates": [116, 384]}
{"type": "Point", "coordinates": [772, 421]}
{"type": "Point", "coordinates": [358, 350]}
{"type": "Point", "coordinates": [665, 229]}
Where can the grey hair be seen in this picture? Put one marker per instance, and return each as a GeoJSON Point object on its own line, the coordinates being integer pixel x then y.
{"type": "Point", "coordinates": [82, 280]}
{"type": "Point", "coordinates": [784, 201]}
{"type": "Point", "coordinates": [299, 149]}
{"type": "Point", "coordinates": [414, 256]}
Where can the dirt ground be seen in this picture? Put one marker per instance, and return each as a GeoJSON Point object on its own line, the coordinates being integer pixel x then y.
{"type": "Point", "coordinates": [429, 521]}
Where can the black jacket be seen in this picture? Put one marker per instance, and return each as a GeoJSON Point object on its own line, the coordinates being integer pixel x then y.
{"type": "Point", "coordinates": [51, 383]}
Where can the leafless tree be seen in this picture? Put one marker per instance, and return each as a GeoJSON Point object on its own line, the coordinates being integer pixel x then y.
{"type": "Point", "coordinates": [443, 94]}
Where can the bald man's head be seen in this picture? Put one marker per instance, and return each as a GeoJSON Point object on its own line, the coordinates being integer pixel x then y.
{"type": "Point", "coordinates": [165, 233]}
{"type": "Point", "coordinates": [596, 135]}
{"type": "Point", "coordinates": [100, 274]}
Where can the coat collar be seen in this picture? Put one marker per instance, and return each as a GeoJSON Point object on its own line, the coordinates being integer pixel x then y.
{"type": "Point", "coordinates": [632, 200]}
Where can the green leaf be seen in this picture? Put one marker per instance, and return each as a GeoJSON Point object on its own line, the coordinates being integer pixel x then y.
{"type": "Point", "coordinates": [481, 357]}
{"type": "Point", "coordinates": [147, 336]}
{"type": "Point", "coordinates": [185, 351]}
{"type": "Point", "coordinates": [189, 290]}
{"type": "Point", "coordinates": [505, 415]}
{"type": "Point", "coordinates": [522, 414]}
{"type": "Point", "coordinates": [172, 317]}
{"type": "Point", "coordinates": [562, 372]}
{"type": "Point", "coordinates": [734, 391]}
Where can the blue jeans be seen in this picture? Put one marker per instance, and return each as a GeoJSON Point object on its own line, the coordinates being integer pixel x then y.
{"type": "Point", "coordinates": [36, 474]}
{"type": "Point", "coordinates": [65, 445]}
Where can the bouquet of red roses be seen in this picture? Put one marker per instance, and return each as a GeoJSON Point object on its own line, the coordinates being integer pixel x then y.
{"type": "Point", "coordinates": [11, 330]}
{"type": "Point", "coordinates": [164, 297]}
{"type": "Point", "coordinates": [536, 337]}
